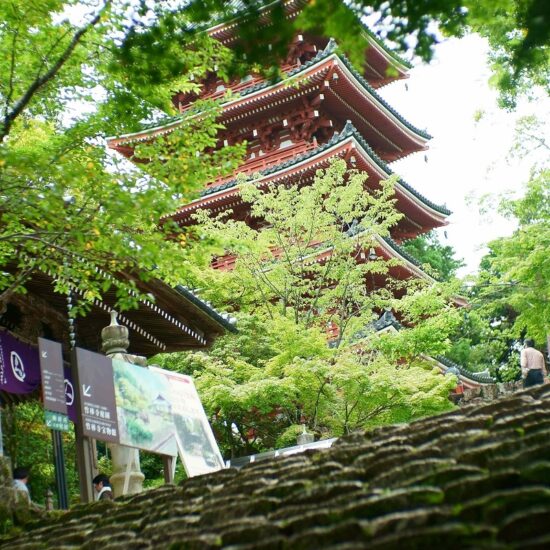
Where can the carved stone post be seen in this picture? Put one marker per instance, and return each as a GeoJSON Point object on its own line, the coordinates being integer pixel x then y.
{"type": "Point", "coordinates": [127, 477]}
{"type": "Point", "coordinates": [305, 437]}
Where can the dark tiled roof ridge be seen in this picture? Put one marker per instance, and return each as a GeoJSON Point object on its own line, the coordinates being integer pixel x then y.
{"type": "Point", "coordinates": [402, 252]}
{"type": "Point", "coordinates": [475, 477]}
{"type": "Point", "coordinates": [223, 319]}
{"type": "Point", "coordinates": [475, 376]}
{"type": "Point", "coordinates": [348, 130]}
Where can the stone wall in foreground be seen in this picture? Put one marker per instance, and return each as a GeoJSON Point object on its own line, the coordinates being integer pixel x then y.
{"type": "Point", "coordinates": [489, 392]}
{"type": "Point", "coordinates": [476, 477]}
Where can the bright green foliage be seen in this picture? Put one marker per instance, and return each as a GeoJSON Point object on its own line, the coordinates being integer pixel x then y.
{"type": "Point", "coordinates": [64, 86]}
{"type": "Point", "coordinates": [518, 32]}
{"type": "Point", "coordinates": [485, 339]}
{"type": "Point", "coordinates": [434, 255]}
{"type": "Point", "coordinates": [278, 374]}
{"type": "Point", "coordinates": [260, 397]}
{"type": "Point", "coordinates": [431, 316]}
{"type": "Point", "coordinates": [334, 220]}
{"type": "Point", "coordinates": [521, 262]}
{"type": "Point", "coordinates": [28, 443]}
{"type": "Point", "coordinates": [510, 294]}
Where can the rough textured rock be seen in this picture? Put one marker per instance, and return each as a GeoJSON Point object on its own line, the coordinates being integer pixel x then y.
{"type": "Point", "coordinates": [473, 478]}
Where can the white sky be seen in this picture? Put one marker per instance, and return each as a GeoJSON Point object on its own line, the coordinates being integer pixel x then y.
{"type": "Point", "coordinates": [466, 158]}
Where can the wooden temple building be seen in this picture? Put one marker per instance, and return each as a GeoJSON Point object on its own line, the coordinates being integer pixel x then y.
{"type": "Point", "coordinates": [324, 108]}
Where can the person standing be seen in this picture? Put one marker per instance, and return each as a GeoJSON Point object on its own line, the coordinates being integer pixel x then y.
{"type": "Point", "coordinates": [20, 481]}
{"type": "Point", "coordinates": [533, 370]}
{"type": "Point", "coordinates": [102, 487]}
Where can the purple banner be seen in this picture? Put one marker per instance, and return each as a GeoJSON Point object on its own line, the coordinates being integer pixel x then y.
{"type": "Point", "coordinates": [19, 365]}
{"type": "Point", "coordinates": [20, 370]}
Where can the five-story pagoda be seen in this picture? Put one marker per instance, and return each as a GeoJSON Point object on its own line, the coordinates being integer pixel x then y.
{"type": "Point", "coordinates": [323, 108]}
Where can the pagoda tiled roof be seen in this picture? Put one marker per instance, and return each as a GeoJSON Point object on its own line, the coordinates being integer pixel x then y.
{"type": "Point", "coordinates": [224, 319]}
{"type": "Point", "coordinates": [388, 319]}
{"type": "Point", "coordinates": [332, 49]}
{"type": "Point", "coordinates": [329, 50]}
{"type": "Point", "coordinates": [401, 251]}
{"type": "Point", "coordinates": [452, 367]}
{"type": "Point", "coordinates": [348, 131]}
{"type": "Point", "coordinates": [384, 46]}
{"type": "Point", "coordinates": [474, 477]}
{"type": "Point", "coordinates": [235, 7]}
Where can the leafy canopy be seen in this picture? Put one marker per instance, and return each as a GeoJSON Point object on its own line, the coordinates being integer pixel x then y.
{"type": "Point", "coordinates": [308, 249]}
{"type": "Point", "coordinates": [69, 209]}
{"type": "Point", "coordinates": [303, 262]}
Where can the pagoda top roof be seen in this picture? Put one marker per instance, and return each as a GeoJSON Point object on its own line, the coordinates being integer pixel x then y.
{"type": "Point", "coordinates": [169, 124]}
{"type": "Point", "coordinates": [234, 8]}
{"type": "Point", "coordinates": [348, 131]}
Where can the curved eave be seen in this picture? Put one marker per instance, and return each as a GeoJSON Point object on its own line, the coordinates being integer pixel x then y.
{"type": "Point", "coordinates": [401, 65]}
{"type": "Point", "coordinates": [177, 320]}
{"type": "Point", "coordinates": [391, 250]}
{"type": "Point", "coordinates": [418, 209]}
{"type": "Point", "coordinates": [323, 62]}
{"type": "Point", "coordinates": [339, 145]}
{"type": "Point", "coordinates": [206, 309]}
{"type": "Point", "coordinates": [418, 135]}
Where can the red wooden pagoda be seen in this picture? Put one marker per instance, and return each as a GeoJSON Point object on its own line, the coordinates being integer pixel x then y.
{"type": "Point", "coordinates": [324, 108]}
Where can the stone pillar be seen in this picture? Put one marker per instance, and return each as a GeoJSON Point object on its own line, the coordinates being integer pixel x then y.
{"type": "Point", "coordinates": [305, 437]}
{"type": "Point", "coordinates": [125, 460]}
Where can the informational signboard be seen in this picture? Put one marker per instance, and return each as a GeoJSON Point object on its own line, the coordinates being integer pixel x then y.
{"type": "Point", "coordinates": [56, 421]}
{"type": "Point", "coordinates": [146, 408]}
{"type": "Point", "coordinates": [53, 385]}
{"type": "Point", "coordinates": [53, 376]}
{"type": "Point", "coordinates": [97, 396]}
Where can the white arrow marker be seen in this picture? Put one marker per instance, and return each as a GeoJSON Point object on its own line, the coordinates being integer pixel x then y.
{"type": "Point", "coordinates": [86, 390]}
{"type": "Point", "coordinates": [45, 354]}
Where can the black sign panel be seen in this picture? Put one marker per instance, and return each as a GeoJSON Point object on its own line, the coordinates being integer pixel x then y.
{"type": "Point", "coordinates": [53, 377]}
{"type": "Point", "coordinates": [97, 396]}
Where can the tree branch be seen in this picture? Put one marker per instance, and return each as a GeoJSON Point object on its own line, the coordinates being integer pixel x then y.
{"type": "Point", "coordinates": [41, 81]}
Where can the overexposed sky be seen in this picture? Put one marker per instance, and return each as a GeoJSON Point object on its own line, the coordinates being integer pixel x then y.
{"type": "Point", "coordinates": [467, 158]}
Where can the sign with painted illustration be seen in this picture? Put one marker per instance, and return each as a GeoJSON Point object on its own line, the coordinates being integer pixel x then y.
{"type": "Point", "coordinates": [197, 446]}
{"type": "Point", "coordinates": [143, 409]}
{"type": "Point", "coordinates": [155, 410]}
